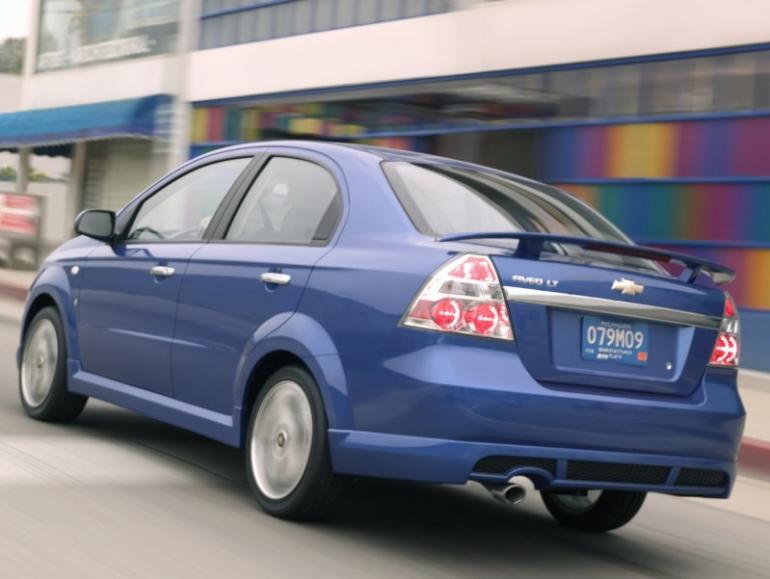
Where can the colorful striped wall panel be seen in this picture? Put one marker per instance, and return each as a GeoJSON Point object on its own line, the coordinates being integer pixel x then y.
{"type": "Point", "coordinates": [717, 212]}
{"type": "Point", "coordinates": [733, 209]}
{"type": "Point", "coordinates": [704, 148]}
{"type": "Point", "coordinates": [698, 212]}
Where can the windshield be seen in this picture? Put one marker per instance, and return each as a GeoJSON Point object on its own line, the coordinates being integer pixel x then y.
{"type": "Point", "coordinates": [442, 199]}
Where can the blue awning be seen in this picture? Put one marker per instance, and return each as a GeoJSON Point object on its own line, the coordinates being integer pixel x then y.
{"type": "Point", "coordinates": [48, 128]}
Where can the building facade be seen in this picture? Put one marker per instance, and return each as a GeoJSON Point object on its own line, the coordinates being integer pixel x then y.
{"type": "Point", "coordinates": [96, 110]}
{"type": "Point", "coordinates": [657, 113]}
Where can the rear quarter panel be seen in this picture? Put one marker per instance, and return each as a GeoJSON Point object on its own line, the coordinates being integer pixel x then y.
{"type": "Point", "coordinates": [358, 296]}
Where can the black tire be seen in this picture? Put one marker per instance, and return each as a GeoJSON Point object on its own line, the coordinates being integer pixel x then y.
{"type": "Point", "coordinates": [319, 489]}
{"type": "Point", "coordinates": [57, 404]}
{"type": "Point", "coordinates": [611, 510]}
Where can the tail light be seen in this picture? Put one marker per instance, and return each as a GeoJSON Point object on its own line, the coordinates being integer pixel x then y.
{"type": "Point", "coordinates": [726, 352]}
{"type": "Point", "coordinates": [463, 297]}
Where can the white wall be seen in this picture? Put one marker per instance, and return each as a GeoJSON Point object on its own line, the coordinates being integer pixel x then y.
{"type": "Point", "coordinates": [488, 36]}
{"type": "Point", "coordinates": [55, 229]}
{"type": "Point", "coordinates": [102, 82]}
{"type": "Point", "coordinates": [10, 92]}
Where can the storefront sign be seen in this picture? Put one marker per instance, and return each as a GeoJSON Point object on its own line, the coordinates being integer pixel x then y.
{"type": "Point", "coordinates": [19, 215]}
{"type": "Point", "coordinates": [81, 32]}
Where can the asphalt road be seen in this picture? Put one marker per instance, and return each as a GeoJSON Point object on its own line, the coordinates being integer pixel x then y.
{"type": "Point", "coordinates": [118, 495]}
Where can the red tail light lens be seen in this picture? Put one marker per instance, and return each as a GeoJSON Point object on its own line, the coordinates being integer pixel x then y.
{"type": "Point", "coordinates": [463, 297]}
{"type": "Point", "coordinates": [727, 349]}
{"type": "Point", "coordinates": [730, 310]}
{"type": "Point", "coordinates": [447, 313]}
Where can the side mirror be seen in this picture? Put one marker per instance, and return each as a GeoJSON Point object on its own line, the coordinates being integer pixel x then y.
{"type": "Point", "coordinates": [96, 223]}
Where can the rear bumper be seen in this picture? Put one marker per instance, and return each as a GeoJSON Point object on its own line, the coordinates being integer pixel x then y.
{"type": "Point", "coordinates": [446, 412]}
{"type": "Point", "coordinates": [450, 461]}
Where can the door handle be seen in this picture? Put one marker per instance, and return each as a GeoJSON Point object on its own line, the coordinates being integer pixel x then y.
{"type": "Point", "coordinates": [273, 277]}
{"type": "Point", "coordinates": [162, 271]}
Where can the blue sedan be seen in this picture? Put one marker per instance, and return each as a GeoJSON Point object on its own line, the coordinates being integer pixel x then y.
{"type": "Point", "coordinates": [342, 311]}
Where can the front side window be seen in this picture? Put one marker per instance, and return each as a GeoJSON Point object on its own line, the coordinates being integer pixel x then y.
{"type": "Point", "coordinates": [441, 199]}
{"type": "Point", "coordinates": [292, 201]}
{"type": "Point", "coordinates": [182, 210]}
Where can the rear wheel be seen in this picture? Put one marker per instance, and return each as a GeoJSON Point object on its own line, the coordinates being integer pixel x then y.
{"type": "Point", "coordinates": [43, 373]}
{"type": "Point", "coordinates": [287, 454]}
{"type": "Point", "coordinates": [594, 511]}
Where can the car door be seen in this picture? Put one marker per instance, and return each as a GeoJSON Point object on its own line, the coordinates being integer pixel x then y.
{"type": "Point", "coordinates": [128, 298]}
{"type": "Point", "coordinates": [255, 272]}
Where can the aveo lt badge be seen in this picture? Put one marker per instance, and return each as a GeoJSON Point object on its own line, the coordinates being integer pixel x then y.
{"type": "Point", "coordinates": [536, 281]}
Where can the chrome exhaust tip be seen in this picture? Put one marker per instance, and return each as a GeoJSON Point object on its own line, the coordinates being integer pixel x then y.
{"type": "Point", "coordinates": [509, 494]}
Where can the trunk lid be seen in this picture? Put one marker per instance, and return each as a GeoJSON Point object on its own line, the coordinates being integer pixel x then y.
{"type": "Point", "coordinates": [573, 328]}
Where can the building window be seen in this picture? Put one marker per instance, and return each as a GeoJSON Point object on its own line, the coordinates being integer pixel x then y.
{"type": "Point", "coordinates": [226, 22]}
{"type": "Point", "coordinates": [367, 11]}
{"type": "Point", "coordinates": [324, 14]}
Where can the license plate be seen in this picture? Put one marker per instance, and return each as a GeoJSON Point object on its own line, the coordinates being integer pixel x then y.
{"type": "Point", "coordinates": [615, 341]}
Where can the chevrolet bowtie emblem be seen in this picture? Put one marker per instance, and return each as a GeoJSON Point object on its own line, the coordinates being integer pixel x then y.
{"type": "Point", "coordinates": [627, 287]}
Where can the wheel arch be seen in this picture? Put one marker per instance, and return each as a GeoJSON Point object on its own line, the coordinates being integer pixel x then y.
{"type": "Point", "coordinates": [52, 288]}
{"type": "Point", "coordinates": [303, 342]}
{"type": "Point", "coordinates": [40, 302]}
{"type": "Point", "coordinates": [268, 365]}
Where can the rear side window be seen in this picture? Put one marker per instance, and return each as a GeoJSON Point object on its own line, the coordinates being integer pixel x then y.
{"type": "Point", "coordinates": [291, 201]}
{"type": "Point", "coordinates": [441, 199]}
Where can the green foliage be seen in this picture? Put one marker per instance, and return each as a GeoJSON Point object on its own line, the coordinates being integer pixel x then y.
{"type": "Point", "coordinates": [38, 177]}
{"type": "Point", "coordinates": [7, 174]}
{"type": "Point", "coordinates": [10, 174]}
{"type": "Point", "coordinates": [12, 55]}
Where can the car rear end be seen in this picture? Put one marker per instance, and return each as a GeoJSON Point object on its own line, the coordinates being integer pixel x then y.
{"type": "Point", "coordinates": [545, 344]}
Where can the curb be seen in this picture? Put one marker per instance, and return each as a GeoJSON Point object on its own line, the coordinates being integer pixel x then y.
{"type": "Point", "coordinates": [754, 457]}
{"type": "Point", "coordinates": [14, 292]}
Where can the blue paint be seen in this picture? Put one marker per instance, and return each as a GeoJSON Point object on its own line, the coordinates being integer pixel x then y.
{"type": "Point", "coordinates": [451, 461]}
{"type": "Point", "coordinates": [53, 126]}
{"type": "Point", "coordinates": [401, 403]}
{"type": "Point", "coordinates": [125, 309]}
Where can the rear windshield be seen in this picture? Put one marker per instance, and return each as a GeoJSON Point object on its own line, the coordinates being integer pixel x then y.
{"type": "Point", "coordinates": [441, 199]}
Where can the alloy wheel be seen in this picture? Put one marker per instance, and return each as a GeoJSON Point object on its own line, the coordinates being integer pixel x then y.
{"type": "Point", "coordinates": [38, 365]}
{"type": "Point", "coordinates": [281, 439]}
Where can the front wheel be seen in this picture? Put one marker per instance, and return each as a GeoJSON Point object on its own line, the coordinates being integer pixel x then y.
{"type": "Point", "coordinates": [594, 511]}
{"type": "Point", "coordinates": [287, 455]}
{"type": "Point", "coordinates": [43, 372]}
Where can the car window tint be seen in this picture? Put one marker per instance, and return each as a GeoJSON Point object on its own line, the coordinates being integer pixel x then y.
{"type": "Point", "coordinates": [182, 210]}
{"type": "Point", "coordinates": [292, 201]}
{"type": "Point", "coordinates": [443, 198]}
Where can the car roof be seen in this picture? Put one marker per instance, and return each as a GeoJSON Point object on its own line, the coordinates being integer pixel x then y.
{"type": "Point", "coordinates": [332, 147]}
{"type": "Point", "coordinates": [335, 149]}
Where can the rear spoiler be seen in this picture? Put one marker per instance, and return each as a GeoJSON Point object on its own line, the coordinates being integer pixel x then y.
{"type": "Point", "coordinates": [531, 246]}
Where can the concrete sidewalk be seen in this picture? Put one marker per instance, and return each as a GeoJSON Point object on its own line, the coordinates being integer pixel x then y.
{"type": "Point", "coordinates": [755, 451]}
{"type": "Point", "coordinates": [754, 385]}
